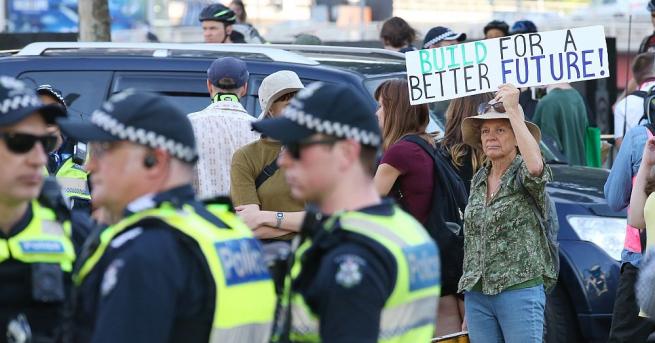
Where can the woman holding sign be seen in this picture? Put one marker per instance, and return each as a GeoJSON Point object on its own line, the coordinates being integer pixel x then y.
{"type": "Point", "coordinates": [507, 261]}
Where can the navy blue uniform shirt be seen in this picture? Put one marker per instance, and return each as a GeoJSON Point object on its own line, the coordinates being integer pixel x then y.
{"type": "Point", "coordinates": [346, 279]}
{"type": "Point", "coordinates": [151, 285]}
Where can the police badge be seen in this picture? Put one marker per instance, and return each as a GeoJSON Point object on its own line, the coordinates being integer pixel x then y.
{"type": "Point", "coordinates": [349, 273]}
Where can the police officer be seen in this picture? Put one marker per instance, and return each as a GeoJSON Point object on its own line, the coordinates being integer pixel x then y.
{"type": "Point", "coordinates": [367, 271]}
{"type": "Point", "coordinates": [66, 162]}
{"type": "Point", "coordinates": [37, 241]}
{"type": "Point", "coordinates": [171, 269]}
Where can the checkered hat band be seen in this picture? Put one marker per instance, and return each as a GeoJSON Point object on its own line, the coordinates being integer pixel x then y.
{"type": "Point", "coordinates": [52, 92]}
{"type": "Point", "coordinates": [17, 102]}
{"type": "Point", "coordinates": [143, 137]}
{"type": "Point", "coordinates": [329, 128]}
{"type": "Point", "coordinates": [448, 35]}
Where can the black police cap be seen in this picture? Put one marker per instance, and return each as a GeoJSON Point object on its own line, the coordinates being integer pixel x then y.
{"type": "Point", "coordinates": [333, 110]}
{"type": "Point", "coordinates": [138, 117]}
{"type": "Point", "coordinates": [17, 102]}
{"type": "Point", "coordinates": [52, 92]}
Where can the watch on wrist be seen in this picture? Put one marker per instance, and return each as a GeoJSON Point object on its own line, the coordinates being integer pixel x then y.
{"type": "Point", "coordinates": [279, 216]}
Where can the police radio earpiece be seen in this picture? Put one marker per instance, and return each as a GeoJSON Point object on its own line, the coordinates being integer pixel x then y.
{"type": "Point", "coordinates": [150, 161]}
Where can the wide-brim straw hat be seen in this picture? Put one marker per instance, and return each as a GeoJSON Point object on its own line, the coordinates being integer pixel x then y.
{"type": "Point", "coordinates": [275, 86]}
{"type": "Point", "coordinates": [471, 127]}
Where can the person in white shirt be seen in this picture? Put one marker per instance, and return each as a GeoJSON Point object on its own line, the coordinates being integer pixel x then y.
{"type": "Point", "coordinates": [222, 127]}
{"type": "Point", "coordinates": [643, 71]}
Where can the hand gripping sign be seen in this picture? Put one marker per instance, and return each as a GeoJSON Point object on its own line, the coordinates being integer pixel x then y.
{"type": "Point", "coordinates": [526, 60]}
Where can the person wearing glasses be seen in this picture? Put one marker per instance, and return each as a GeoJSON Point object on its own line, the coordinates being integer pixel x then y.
{"type": "Point", "coordinates": [66, 161]}
{"type": "Point", "coordinates": [172, 269]}
{"type": "Point", "coordinates": [365, 270]}
{"type": "Point", "coordinates": [38, 243]}
{"type": "Point", "coordinates": [507, 261]}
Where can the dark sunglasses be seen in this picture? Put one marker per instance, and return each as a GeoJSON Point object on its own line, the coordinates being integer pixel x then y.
{"type": "Point", "coordinates": [20, 143]}
{"type": "Point", "coordinates": [486, 106]}
{"type": "Point", "coordinates": [294, 149]}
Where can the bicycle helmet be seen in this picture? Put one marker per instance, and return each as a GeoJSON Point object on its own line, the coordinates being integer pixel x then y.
{"type": "Point", "coordinates": [218, 12]}
{"type": "Point", "coordinates": [523, 26]}
{"type": "Point", "coordinates": [498, 25]}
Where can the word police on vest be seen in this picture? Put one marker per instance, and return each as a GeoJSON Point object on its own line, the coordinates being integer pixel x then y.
{"type": "Point", "coordinates": [41, 246]}
{"type": "Point", "coordinates": [424, 266]}
{"type": "Point", "coordinates": [242, 261]}
{"type": "Point", "coordinates": [525, 60]}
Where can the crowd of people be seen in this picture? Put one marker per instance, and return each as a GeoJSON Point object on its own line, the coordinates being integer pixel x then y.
{"type": "Point", "coordinates": [319, 219]}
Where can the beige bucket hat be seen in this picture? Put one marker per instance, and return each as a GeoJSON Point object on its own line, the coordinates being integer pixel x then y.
{"type": "Point", "coordinates": [276, 85]}
{"type": "Point", "coordinates": [471, 127]}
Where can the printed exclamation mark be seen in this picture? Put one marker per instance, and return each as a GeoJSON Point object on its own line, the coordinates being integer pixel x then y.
{"type": "Point", "coordinates": [600, 54]}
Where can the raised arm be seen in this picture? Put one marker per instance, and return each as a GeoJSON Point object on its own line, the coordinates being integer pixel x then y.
{"type": "Point", "coordinates": [508, 94]}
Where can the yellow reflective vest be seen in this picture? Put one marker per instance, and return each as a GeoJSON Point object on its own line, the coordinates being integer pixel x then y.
{"type": "Point", "coordinates": [245, 295]}
{"type": "Point", "coordinates": [409, 314]}
{"type": "Point", "coordinates": [44, 240]}
{"type": "Point", "coordinates": [73, 180]}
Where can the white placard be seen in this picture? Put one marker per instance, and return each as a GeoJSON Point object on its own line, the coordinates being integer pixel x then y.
{"type": "Point", "coordinates": [525, 60]}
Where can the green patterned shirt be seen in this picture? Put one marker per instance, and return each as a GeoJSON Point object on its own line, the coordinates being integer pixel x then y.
{"type": "Point", "coordinates": [504, 244]}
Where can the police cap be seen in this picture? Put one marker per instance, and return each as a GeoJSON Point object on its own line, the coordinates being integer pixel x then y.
{"type": "Point", "coordinates": [17, 102]}
{"type": "Point", "coordinates": [52, 92]}
{"type": "Point", "coordinates": [138, 117]}
{"type": "Point", "coordinates": [333, 110]}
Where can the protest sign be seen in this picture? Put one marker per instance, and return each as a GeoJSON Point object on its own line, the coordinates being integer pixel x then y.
{"type": "Point", "coordinates": [525, 60]}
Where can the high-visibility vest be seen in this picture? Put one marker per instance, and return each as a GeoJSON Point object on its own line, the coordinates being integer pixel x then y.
{"type": "Point", "coordinates": [73, 180]}
{"type": "Point", "coordinates": [409, 314]}
{"type": "Point", "coordinates": [44, 240]}
{"type": "Point", "coordinates": [245, 295]}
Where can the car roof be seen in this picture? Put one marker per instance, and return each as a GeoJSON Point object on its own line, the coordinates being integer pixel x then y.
{"type": "Point", "coordinates": [368, 62]}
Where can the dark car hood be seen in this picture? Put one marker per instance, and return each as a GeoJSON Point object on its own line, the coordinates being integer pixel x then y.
{"type": "Point", "coordinates": [579, 185]}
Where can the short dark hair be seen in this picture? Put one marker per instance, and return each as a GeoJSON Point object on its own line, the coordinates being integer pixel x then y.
{"type": "Point", "coordinates": [498, 25]}
{"type": "Point", "coordinates": [368, 157]}
{"type": "Point", "coordinates": [642, 66]}
{"type": "Point", "coordinates": [397, 32]}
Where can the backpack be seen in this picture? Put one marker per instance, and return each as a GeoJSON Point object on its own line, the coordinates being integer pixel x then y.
{"type": "Point", "coordinates": [649, 106]}
{"type": "Point", "coordinates": [445, 221]}
{"type": "Point", "coordinates": [549, 224]}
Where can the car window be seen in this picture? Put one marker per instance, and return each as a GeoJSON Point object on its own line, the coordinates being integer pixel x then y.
{"type": "Point", "coordinates": [185, 90]}
{"type": "Point", "coordinates": [373, 83]}
{"type": "Point", "coordinates": [83, 91]}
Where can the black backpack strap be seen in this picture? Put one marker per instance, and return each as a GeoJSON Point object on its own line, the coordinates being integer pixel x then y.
{"type": "Point", "coordinates": [641, 94]}
{"type": "Point", "coordinates": [422, 143]}
{"type": "Point", "coordinates": [650, 127]}
{"type": "Point", "coordinates": [267, 172]}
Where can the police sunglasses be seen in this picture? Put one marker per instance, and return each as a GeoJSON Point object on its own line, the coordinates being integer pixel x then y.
{"type": "Point", "coordinates": [21, 143]}
{"type": "Point", "coordinates": [294, 149]}
{"type": "Point", "coordinates": [486, 106]}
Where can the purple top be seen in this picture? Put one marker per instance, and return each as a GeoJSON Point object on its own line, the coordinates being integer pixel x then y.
{"type": "Point", "coordinates": [416, 180]}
